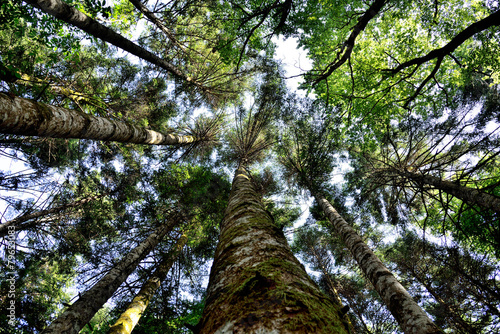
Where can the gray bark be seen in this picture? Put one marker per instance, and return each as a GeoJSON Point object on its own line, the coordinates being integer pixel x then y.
{"type": "Point", "coordinates": [30, 118]}
{"type": "Point", "coordinates": [411, 318]}
{"type": "Point", "coordinates": [256, 284]}
{"type": "Point", "coordinates": [72, 320]}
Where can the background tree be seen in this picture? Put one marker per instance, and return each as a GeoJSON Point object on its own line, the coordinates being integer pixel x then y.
{"type": "Point", "coordinates": [445, 169]}
{"type": "Point", "coordinates": [312, 146]}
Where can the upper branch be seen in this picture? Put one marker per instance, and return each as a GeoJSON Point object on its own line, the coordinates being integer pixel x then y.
{"type": "Point", "coordinates": [345, 52]}
{"type": "Point", "coordinates": [476, 27]}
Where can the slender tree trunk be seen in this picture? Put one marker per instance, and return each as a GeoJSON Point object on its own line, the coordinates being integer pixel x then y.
{"type": "Point", "coordinates": [453, 313]}
{"type": "Point", "coordinates": [18, 222]}
{"type": "Point", "coordinates": [331, 286]}
{"type": "Point", "coordinates": [29, 118]}
{"type": "Point", "coordinates": [256, 284]}
{"type": "Point", "coordinates": [405, 310]}
{"type": "Point", "coordinates": [470, 196]}
{"type": "Point", "coordinates": [325, 272]}
{"type": "Point", "coordinates": [127, 321]}
{"type": "Point", "coordinates": [72, 320]}
{"type": "Point", "coordinates": [71, 15]}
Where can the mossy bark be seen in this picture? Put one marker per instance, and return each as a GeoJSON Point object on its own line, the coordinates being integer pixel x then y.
{"type": "Point", "coordinates": [30, 118]}
{"type": "Point", "coordinates": [72, 320]}
{"type": "Point", "coordinates": [128, 319]}
{"type": "Point", "coordinates": [256, 284]}
{"type": "Point", "coordinates": [409, 315]}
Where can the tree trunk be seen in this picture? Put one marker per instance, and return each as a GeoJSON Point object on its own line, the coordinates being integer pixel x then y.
{"type": "Point", "coordinates": [29, 118]}
{"type": "Point", "coordinates": [405, 310]}
{"type": "Point", "coordinates": [71, 15]}
{"type": "Point", "coordinates": [17, 222]}
{"type": "Point", "coordinates": [256, 284]}
{"type": "Point", "coordinates": [463, 326]}
{"type": "Point", "coordinates": [151, 17]}
{"type": "Point", "coordinates": [127, 321]}
{"type": "Point", "coordinates": [470, 196]}
{"type": "Point", "coordinates": [331, 286]}
{"type": "Point", "coordinates": [72, 320]}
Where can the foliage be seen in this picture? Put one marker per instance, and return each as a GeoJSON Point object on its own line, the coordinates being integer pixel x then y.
{"type": "Point", "coordinates": [395, 87]}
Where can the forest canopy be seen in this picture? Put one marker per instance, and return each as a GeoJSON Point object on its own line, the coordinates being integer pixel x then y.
{"type": "Point", "coordinates": [160, 173]}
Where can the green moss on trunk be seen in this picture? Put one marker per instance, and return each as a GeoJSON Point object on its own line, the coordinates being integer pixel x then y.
{"type": "Point", "coordinates": [256, 284]}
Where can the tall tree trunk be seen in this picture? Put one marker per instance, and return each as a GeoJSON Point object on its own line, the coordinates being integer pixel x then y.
{"type": "Point", "coordinates": [73, 16]}
{"type": "Point", "coordinates": [405, 310]}
{"type": "Point", "coordinates": [470, 196]}
{"type": "Point", "coordinates": [127, 321]}
{"type": "Point", "coordinates": [30, 118]}
{"type": "Point", "coordinates": [72, 320]}
{"type": "Point", "coordinates": [17, 223]}
{"type": "Point", "coordinates": [256, 284]}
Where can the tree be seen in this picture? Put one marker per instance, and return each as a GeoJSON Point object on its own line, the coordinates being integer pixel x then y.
{"type": "Point", "coordinates": [306, 240]}
{"type": "Point", "coordinates": [81, 312]}
{"type": "Point", "coordinates": [376, 65]}
{"type": "Point", "coordinates": [42, 120]}
{"type": "Point", "coordinates": [72, 16]}
{"type": "Point", "coordinates": [256, 284]}
{"type": "Point", "coordinates": [44, 279]}
{"type": "Point", "coordinates": [444, 165]}
{"type": "Point", "coordinates": [341, 278]}
{"type": "Point", "coordinates": [453, 305]}
{"type": "Point", "coordinates": [379, 61]}
{"type": "Point", "coordinates": [129, 318]}
{"type": "Point", "coordinates": [311, 152]}
{"type": "Point", "coordinates": [18, 222]}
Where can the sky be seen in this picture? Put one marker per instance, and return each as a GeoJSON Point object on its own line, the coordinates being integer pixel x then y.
{"type": "Point", "coordinates": [294, 60]}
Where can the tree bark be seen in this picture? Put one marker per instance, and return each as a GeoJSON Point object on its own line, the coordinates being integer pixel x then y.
{"type": "Point", "coordinates": [470, 196]}
{"type": "Point", "coordinates": [129, 319]}
{"type": "Point", "coordinates": [256, 284]}
{"type": "Point", "coordinates": [72, 320]}
{"type": "Point", "coordinates": [71, 15]}
{"type": "Point", "coordinates": [30, 118]}
{"type": "Point", "coordinates": [405, 310]}
{"type": "Point", "coordinates": [17, 222]}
